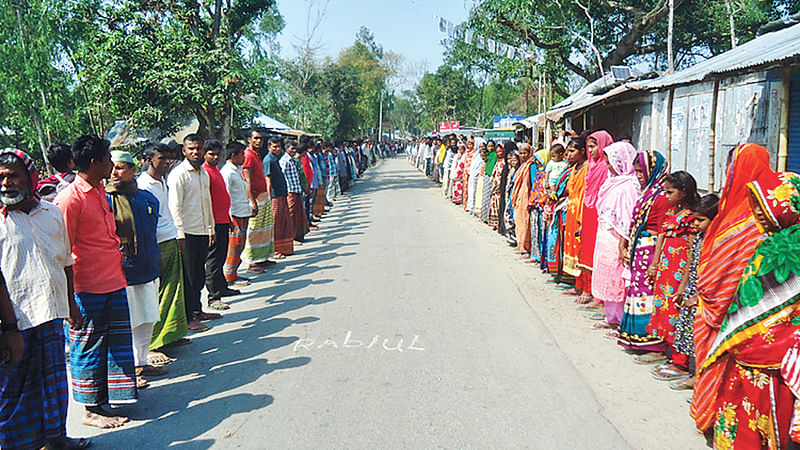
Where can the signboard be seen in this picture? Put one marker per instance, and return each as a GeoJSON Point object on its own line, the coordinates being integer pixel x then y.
{"type": "Point", "coordinates": [505, 121]}
{"type": "Point", "coordinates": [449, 126]}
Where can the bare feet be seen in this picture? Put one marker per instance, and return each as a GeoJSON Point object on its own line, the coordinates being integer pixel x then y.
{"type": "Point", "coordinates": [97, 417]}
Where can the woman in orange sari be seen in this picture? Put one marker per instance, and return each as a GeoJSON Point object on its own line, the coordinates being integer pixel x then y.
{"type": "Point", "coordinates": [576, 155]}
{"type": "Point", "coordinates": [519, 200]}
{"type": "Point", "coordinates": [730, 242]}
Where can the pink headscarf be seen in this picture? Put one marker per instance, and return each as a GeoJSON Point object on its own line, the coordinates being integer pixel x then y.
{"type": "Point", "coordinates": [619, 193]}
{"type": "Point", "coordinates": [597, 172]}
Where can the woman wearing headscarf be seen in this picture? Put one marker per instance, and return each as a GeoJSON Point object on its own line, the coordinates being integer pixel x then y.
{"type": "Point", "coordinates": [639, 250]}
{"type": "Point", "coordinates": [615, 201]}
{"type": "Point", "coordinates": [459, 169]}
{"type": "Point", "coordinates": [520, 196]}
{"type": "Point", "coordinates": [536, 204]}
{"type": "Point", "coordinates": [475, 169]}
{"type": "Point", "coordinates": [576, 155]}
{"type": "Point", "coordinates": [486, 197]}
{"type": "Point", "coordinates": [596, 174]}
{"type": "Point", "coordinates": [730, 242]}
{"type": "Point", "coordinates": [756, 404]}
{"type": "Point", "coordinates": [497, 205]}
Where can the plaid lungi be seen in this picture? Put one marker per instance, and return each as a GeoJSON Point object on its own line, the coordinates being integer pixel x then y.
{"type": "Point", "coordinates": [236, 241]}
{"type": "Point", "coordinates": [260, 244]}
{"type": "Point", "coordinates": [34, 394]}
{"type": "Point", "coordinates": [319, 202]}
{"type": "Point", "coordinates": [101, 354]}
{"type": "Point", "coordinates": [283, 227]}
{"type": "Point", "coordinates": [172, 325]}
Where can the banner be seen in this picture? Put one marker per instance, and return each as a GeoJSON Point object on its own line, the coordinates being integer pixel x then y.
{"type": "Point", "coordinates": [457, 32]}
{"type": "Point", "coordinates": [449, 126]}
{"type": "Point", "coordinates": [505, 121]}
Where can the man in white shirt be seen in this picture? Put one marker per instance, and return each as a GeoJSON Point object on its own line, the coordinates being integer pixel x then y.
{"type": "Point", "coordinates": [173, 325]}
{"type": "Point", "coordinates": [240, 212]}
{"type": "Point", "coordinates": [35, 256]}
{"type": "Point", "coordinates": [190, 205]}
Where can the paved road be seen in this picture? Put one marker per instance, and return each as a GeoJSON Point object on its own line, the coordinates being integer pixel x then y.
{"type": "Point", "coordinates": [390, 328]}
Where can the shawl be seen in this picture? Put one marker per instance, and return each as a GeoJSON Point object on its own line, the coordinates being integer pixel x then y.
{"type": "Point", "coordinates": [33, 173]}
{"type": "Point", "coordinates": [491, 160]}
{"type": "Point", "coordinates": [655, 168]}
{"type": "Point", "coordinates": [476, 163]}
{"type": "Point", "coordinates": [597, 172]}
{"type": "Point", "coordinates": [572, 244]}
{"type": "Point", "coordinates": [508, 148]}
{"type": "Point", "coordinates": [522, 183]}
{"type": "Point", "coordinates": [538, 194]}
{"type": "Point", "coordinates": [730, 242]}
{"type": "Point", "coordinates": [619, 193]}
{"type": "Point", "coordinates": [123, 216]}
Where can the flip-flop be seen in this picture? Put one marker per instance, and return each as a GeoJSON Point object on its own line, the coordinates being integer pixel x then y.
{"type": "Point", "coordinates": [604, 326]}
{"type": "Point", "coordinates": [207, 316]}
{"type": "Point", "coordinates": [197, 327]}
{"type": "Point", "coordinates": [219, 305]}
{"type": "Point", "coordinates": [681, 385]}
{"type": "Point", "coordinates": [256, 270]}
{"type": "Point", "coordinates": [646, 359]}
{"type": "Point", "coordinates": [158, 359]}
{"type": "Point", "coordinates": [670, 374]}
{"type": "Point", "coordinates": [598, 316]}
{"type": "Point", "coordinates": [612, 335]}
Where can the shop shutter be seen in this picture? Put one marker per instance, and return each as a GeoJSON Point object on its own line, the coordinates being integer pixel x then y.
{"type": "Point", "coordinates": [793, 159]}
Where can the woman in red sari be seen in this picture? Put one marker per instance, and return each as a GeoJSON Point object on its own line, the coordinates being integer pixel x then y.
{"type": "Point", "coordinates": [497, 204]}
{"type": "Point", "coordinates": [729, 243]}
{"type": "Point", "coordinates": [459, 169]}
{"type": "Point", "coordinates": [596, 174]}
{"type": "Point", "coordinates": [755, 404]}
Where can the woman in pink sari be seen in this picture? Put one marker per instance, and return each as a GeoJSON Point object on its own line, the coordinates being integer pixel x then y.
{"type": "Point", "coordinates": [596, 174]}
{"type": "Point", "coordinates": [615, 201]}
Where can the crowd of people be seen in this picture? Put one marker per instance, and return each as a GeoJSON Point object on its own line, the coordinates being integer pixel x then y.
{"type": "Point", "coordinates": [702, 288]}
{"type": "Point", "coordinates": [120, 245]}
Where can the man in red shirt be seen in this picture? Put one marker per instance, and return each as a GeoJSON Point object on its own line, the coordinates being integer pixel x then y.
{"type": "Point", "coordinates": [101, 353]}
{"type": "Point", "coordinates": [216, 284]}
{"type": "Point", "coordinates": [260, 245]}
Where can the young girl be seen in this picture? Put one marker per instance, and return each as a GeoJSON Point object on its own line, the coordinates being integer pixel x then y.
{"type": "Point", "coordinates": [458, 178]}
{"type": "Point", "coordinates": [556, 167]}
{"type": "Point", "coordinates": [704, 212]}
{"type": "Point", "coordinates": [666, 270]}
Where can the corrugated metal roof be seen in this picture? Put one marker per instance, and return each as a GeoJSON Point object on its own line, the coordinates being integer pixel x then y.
{"type": "Point", "coordinates": [587, 96]}
{"type": "Point", "coordinates": [770, 48]}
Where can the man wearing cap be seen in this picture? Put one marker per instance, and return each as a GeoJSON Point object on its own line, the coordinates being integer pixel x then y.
{"type": "Point", "coordinates": [136, 218]}
{"type": "Point", "coordinates": [35, 254]}
{"type": "Point", "coordinates": [101, 354]}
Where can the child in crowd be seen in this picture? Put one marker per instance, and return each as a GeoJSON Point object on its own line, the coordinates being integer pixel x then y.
{"type": "Point", "coordinates": [556, 167]}
{"type": "Point", "coordinates": [667, 270]}
{"type": "Point", "coordinates": [704, 212]}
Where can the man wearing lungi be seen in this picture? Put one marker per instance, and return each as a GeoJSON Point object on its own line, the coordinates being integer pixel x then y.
{"type": "Point", "coordinates": [276, 182]}
{"type": "Point", "coordinates": [260, 243]}
{"type": "Point", "coordinates": [101, 354]}
{"type": "Point", "coordinates": [35, 254]}
{"type": "Point", "coordinates": [240, 212]}
{"type": "Point", "coordinates": [294, 185]}
{"type": "Point", "coordinates": [136, 217]}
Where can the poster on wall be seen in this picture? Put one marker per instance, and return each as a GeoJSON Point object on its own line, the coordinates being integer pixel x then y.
{"type": "Point", "coordinates": [678, 131]}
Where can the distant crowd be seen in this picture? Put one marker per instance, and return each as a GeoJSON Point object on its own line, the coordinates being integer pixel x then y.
{"type": "Point", "coordinates": [121, 244]}
{"type": "Point", "coordinates": [705, 289]}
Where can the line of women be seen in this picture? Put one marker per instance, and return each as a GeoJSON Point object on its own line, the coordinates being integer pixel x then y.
{"type": "Point", "coordinates": [703, 289]}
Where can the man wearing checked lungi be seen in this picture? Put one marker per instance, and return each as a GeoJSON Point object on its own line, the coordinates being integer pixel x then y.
{"type": "Point", "coordinates": [101, 354]}
{"type": "Point", "coordinates": [35, 257]}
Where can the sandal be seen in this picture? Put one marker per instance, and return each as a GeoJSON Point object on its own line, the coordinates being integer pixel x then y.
{"type": "Point", "coordinates": [686, 384]}
{"type": "Point", "coordinates": [256, 269]}
{"type": "Point", "coordinates": [152, 371]}
{"type": "Point", "coordinates": [207, 316]}
{"type": "Point", "coordinates": [670, 373]}
{"type": "Point", "coordinates": [279, 256]}
{"type": "Point", "coordinates": [649, 358]}
{"type": "Point", "coordinates": [612, 335]}
{"type": "Point", "coordinates": [572, 291]}
{"type": "Point", "coordinates": [597, 316]}
{"type": "Point", "coordinates": [604, 326]}
{"type": "Point", "coordinates": [218, 305]}
{"type": "Point", "coordinates": [141, 383]}
{"type": "Point", "coordinates": [158, 359]}
{"type": "Point", "coordinates": [196, 327]}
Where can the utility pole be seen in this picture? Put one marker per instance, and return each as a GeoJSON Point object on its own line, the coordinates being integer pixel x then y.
{"type": "Point", "coordinates": [670, 26]}
{"type": "Point", "coordinates": [380, 119]}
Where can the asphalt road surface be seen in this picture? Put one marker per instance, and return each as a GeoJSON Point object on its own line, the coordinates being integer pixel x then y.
{"type": "Point", "coordinates": [401, 323]}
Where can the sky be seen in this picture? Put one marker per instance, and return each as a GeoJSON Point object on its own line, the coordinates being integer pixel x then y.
{"type": "Point", "coordinates": [406, 27]}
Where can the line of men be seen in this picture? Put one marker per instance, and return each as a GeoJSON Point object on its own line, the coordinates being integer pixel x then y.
{"type": "Point", "coordinates": [124, 258]}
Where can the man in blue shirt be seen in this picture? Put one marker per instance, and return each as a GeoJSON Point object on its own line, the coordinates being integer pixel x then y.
{"type": "Point", "coordinates": [276, 183]}
{"type": "Point", "coordinates": [136, 216]}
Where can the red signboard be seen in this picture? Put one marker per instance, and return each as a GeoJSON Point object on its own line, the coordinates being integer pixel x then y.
{"type": "Point", "coordinates": [449, 126]}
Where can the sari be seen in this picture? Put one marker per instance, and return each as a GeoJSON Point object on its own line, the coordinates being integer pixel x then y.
{"type": "Point", "coordinates": [475, 172]}
{"type": "Point", "coordinates": [508, 148]}
{"type": "Point", "coordinates": [554, 239]}
{"type": "Point", "coordinates": [508, 214]}
{"type": "Point", "coordinates": [486, 197]}
{"type": "Point", "coordinates": [536, 203]}
{"type": "Point", "coordinates": [760, 327]}
{"type": "Point", "coordinates": [496, 203]}
{"type": "Point", "coordinates": [572, 222]}
{"type": "Point", "coordinates": [596, 174]}
{"type": "Point", "coordinates": [730, 241]}
{"type": "Point", "coordinates": [615, 201]}
{"type": "Point", "coordinates": [465, 176]}
{"type": "Point", "coordinates": [458, 179]}
{"type": "Point", "coordinates": [647, 218]}
{"type": "Point", "coordinates": [519, 201]}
